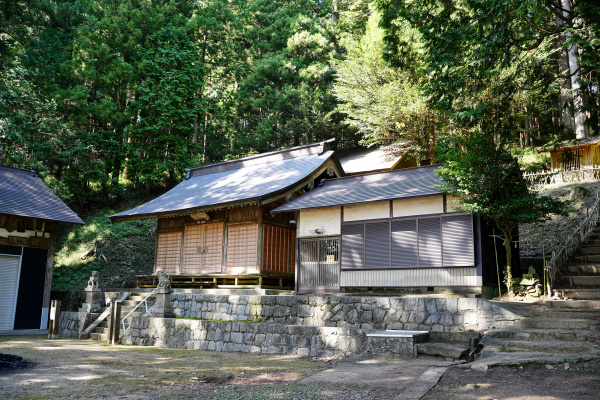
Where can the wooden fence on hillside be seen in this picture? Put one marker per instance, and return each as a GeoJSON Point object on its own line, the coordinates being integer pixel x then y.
{"type": "Point", "coordinates": [564, 176]}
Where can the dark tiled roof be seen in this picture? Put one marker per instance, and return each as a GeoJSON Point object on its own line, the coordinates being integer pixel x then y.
{"type": "Point", "coordinates": [389, 185]}
{"type": "Point", "coordinates": [22, 193]}
{"type": "Point", "coordinates": [565, 144]}
{"type": "Point", "coordinates": [241, 181]}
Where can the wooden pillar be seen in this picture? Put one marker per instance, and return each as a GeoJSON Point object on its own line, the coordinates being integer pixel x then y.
{"type": "Point", "coordinates": [48, 282]}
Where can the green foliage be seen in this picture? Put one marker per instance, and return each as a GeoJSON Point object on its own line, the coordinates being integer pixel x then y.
{"type": "Point", "coordinates": [118, 252]}
{"type": "Point", "coordinates": [385, 103]}
{"type": "Point", "coordinates": [494, 64]}
{"type": "Point", "coordinates": [487, 181]}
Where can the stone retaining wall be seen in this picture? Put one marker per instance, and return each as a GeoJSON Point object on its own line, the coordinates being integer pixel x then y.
{"type": "Point", "coordinates": [358, 312]}
{"type": "Point", "coordinates": [73, 323]}
{"type": "Point", "coordinates": [245, 337]}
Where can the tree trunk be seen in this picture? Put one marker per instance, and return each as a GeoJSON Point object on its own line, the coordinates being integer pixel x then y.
{"type": "Point", "coordinates": [580, 131]}
{"type": "Point", "coordinates": [508, 247]}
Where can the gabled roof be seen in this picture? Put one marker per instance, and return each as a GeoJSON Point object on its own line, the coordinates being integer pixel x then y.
{"type": "Point", "coordinates": [361, 159]}
{"type": "Point", "coordinates": [566, 144]}
{"type": "Point", "coordinates": [389, 185]}
{"type": "Point", "coordinates": [22, 193]}
{"type": "Point", "coordinates": [248, 180]}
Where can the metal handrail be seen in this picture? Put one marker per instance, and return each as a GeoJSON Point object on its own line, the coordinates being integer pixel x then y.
{"type": "Point", "coordinates": [573, 242]}
{"type": "Point", "coordinates": [145, 302]}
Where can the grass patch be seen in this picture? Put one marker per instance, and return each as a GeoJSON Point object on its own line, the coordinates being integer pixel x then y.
{"type": "Point", "coordinates": [117, 251]}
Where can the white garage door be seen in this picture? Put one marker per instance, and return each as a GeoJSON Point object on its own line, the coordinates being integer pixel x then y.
{"type": "Point", "coordinates": [9, 283]}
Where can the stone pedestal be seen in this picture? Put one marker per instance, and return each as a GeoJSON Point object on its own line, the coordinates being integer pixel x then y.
{"type": "Point", "coordinates": [92, 304]}
{"type": "Point", "coordinates": [162, 306]}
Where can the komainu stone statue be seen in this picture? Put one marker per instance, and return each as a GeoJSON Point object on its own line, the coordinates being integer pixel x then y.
{"type": "Point", "coordinates": [164, 281]}
{"type": "Point", "coordinates": [93, 281]}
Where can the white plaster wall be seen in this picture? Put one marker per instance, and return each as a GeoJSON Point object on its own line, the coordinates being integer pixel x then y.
{"type": "Point", "coordinates": [419, 206]}
{"type": "Point", "coordinates": [4, 234]}
{"type": "Point", "coordinates": [360, 212]}
{"type": "Point", "coordinates": [451, 206]}
{"type": "Point", "coordinates": [327, 218]}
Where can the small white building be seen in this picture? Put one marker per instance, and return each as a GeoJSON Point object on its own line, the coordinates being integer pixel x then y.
{"type": "Point", "coordinates": [392, 229]}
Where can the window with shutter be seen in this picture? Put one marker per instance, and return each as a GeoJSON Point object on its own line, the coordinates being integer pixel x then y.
{"type": "Point", "coordinates": [377, 244]}
{"type": "Point", "coordinates": [353, 245]}
{"type": "Point", "coordinates": [404, 243]}
{"type": "Point", "coordinates": [440, 241]}
{"type": "Point", "coordinates": [457, 240]}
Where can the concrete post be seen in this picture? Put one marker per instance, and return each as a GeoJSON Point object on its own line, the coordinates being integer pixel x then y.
{"type": "Point", "coordinates": [54, 319]}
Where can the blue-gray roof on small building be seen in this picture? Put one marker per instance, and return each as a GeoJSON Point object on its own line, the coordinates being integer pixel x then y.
{"type": "Point", "coordinates": [23, 193]}
{"type": "Point", "coordinates": [243, 181]}
{"type": "Point", "coordinates": [388, 185]}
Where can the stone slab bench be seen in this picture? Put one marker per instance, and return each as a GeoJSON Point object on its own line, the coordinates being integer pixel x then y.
{"type": "Point", "coordinates": [395, 342]}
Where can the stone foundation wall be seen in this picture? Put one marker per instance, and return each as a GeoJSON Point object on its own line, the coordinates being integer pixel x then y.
{"type": "Point", "coordinates": [357, 312]}
{"type": "Point", "coordinates": [73, 323]}
{"type": "Point", "coordinates": [245, 337]}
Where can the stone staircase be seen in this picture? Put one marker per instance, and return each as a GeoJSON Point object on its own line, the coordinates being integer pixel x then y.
{"type": "Point", "coordinates": [580, 279]}
{"type": "Point", "coordinates": [100, 333]}
{"type": "Point", "coordinates": [553, 331]}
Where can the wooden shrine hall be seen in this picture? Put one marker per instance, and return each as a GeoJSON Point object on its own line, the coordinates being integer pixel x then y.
{"type": "Point", "coordinates": [215, 229]}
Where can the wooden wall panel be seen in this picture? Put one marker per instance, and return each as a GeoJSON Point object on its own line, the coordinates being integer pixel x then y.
{"type": "Point", "coordinates": [418, 277]}
{"type": "Point", "coordinates": [242, 246]}
{"type": "Point", "coordinates": [276, 248]}
{"type": "Point", "coordinates": [168, 252]}
{"type": "Point", "coordinates": [202, 248]}
{"type": "Point", "coordinates": [293, 263]}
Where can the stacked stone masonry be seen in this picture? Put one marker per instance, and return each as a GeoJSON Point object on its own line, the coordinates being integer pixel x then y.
{"type": "Point", "coordinates": [73, 323]}
{"type": "Point", "coordinates": [359, 312]}
{"type": "Point", "coordinates": [310, 325]}
{"type": "Point", "coordinates": [245, 337]}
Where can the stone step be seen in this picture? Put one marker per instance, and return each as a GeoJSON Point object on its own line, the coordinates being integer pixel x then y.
{"type": "Point", "coordinates": [578, 294]}
{"type": "Point", "coordinates": [556, 323]}
{"type": "Point", "coordinates": [103, 337]}
{"type": "Point", "coordinates": [542, 334]}
{"type": "Point", "coordinates": [557, 346]}
{"type": "Point", "coordinates": [446, 350]}
{"type": "Point", "coordinates": [100, 329]}
{"type": "Point", "coordinates": [589, 250]}
{"type": "Point", "coordinates": [577, 281]}
{"type": "Point", "coordinates": [582, 269]}
{"type": "Point", "coordinates": [571, 313]}
{"type": "Point", "coordinates": [588, 258]}
{"type": "Point", "coordinates": [573, 304]}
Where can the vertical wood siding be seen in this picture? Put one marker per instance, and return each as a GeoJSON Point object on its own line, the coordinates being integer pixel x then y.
{"type": "Point", "coordinates": [276, 248]}
{"type": "Point", "coordinates": [168, 252]}
{"type": "Point", "coordinates": [242, 246]}
{"type": "Point", "coordinates": [410, 277]}
{"type": "Point", "coordinates": [202, 248]}
{"type": "Point", "coordinates": [293, 252]}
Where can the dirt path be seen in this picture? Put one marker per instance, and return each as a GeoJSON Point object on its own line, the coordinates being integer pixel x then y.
{"type": "Point", "coordinates": [67, 368]}
{"type": "Point", "coordinates": [64, 369]}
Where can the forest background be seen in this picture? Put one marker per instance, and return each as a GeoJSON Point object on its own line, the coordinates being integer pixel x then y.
{"type": "Point", "coordinates": [100, 97]}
